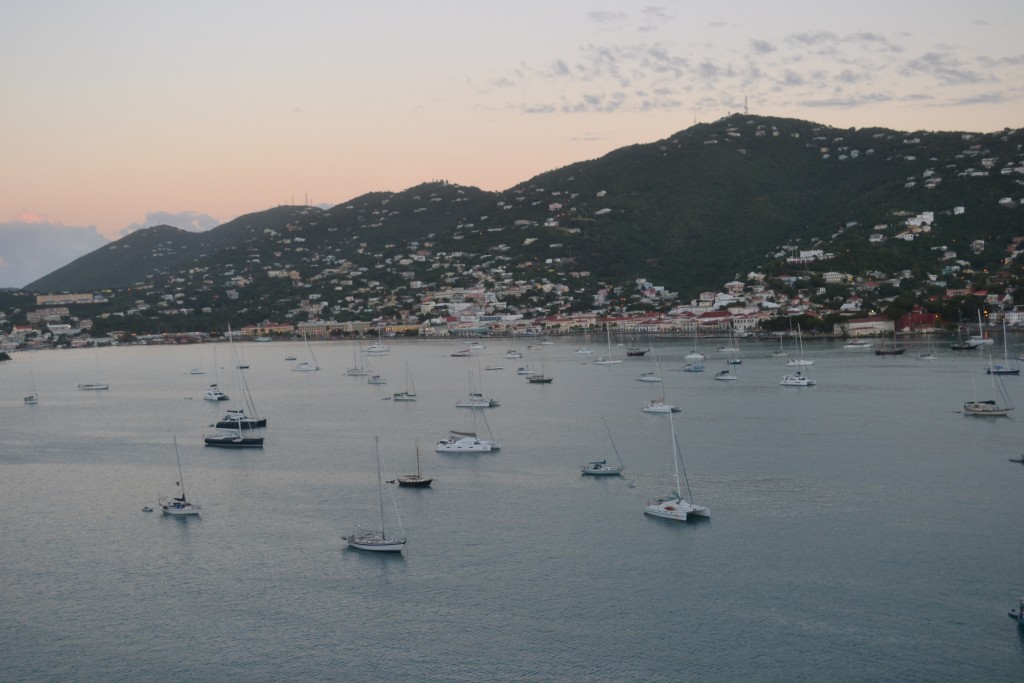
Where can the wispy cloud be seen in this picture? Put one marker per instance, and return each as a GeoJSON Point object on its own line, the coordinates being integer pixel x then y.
{"type": "Point", "coordinates": [813, 69]}
{"type": "Point", "coordinates": [944, 67]}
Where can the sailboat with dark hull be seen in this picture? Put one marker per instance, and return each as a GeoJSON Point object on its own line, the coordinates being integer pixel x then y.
{"type": "Point", "coordinates": [415, 480]}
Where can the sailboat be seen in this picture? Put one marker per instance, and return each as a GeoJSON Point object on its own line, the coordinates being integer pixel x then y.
{"type": "Point", "coordinates": [226, 438]}
{"type": "Point", "coordinates": [306, 366]}
{"type": "Point", "coordinates": [930, 353]}
{"type": "Point", "coordinates": [179, 506]}
{"type": "Point", "coordinates": [33, 398]}
{"type": "Point", "coordinates": [468, 440]}
{"type": "Point", "coordinates": [214, 394]}
{"type": "Point", "coordinates": [695, 354]}
{"type": "Point", "coordinates": [541, 377]}
{"type": "Point", "coordinates": [379, 348]}
{"type": "Point", "coordinates": [415, 480]}
{"type": "Point", "coordinates": [781, 353]}
{"type": "Point", "coordinates": [95, 386]}
{"type": "Point", "coordinates": [675, 506]}
{"type": "Point", "coordinates": [357, 369]}
{"type": "Point", "coordinates": [585, 350]}
{"type": "Point", "coordinates": [608, 360]}
{"type": "Point", "coordinates": [410, 389]}
{"type": "Point", "coordinates": [476, 399]}
{"type": "Point", "coordinates": [660, 405]}
{"type": "Point", "coordinates": [244, 416]}
{"type": "Point", "coordinates": [733, 350]}
{"type": "Point", "coordinates": [1003, 368]}
{"type": "Point", "coordinates": [799, 361]}
{"type": "Point", "coordinates": [980, 339]}
{"type": "Point", "coordinates": [886, 349]}
{"type": "Point", "coordinates": [514, 352]}
{"type": "Point", "coordinates": [601, 467]}
{"type": "Point", "coordinates": [990, 408]}
{"type": "Point", "coordinates": [377, 540]}
{"type": "Point", "coordinates": [651, 376]}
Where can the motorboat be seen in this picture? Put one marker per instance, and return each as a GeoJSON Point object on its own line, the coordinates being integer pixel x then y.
{"type": "Point", "coordinates": [857, 344]}
{"type": "Point", "coordinates": [797, 379]}
{"type": "Point", "coordinates": [725, 376]}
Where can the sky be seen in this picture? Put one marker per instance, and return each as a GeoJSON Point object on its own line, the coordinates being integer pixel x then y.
{"type": "Point", "coordinates": [122, 114]}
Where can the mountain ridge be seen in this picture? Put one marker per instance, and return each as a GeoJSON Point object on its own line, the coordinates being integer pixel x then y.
{"type": "Point", "coordinates": [702, 206]}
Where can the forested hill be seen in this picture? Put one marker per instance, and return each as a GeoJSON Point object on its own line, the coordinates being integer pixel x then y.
{"type": "Point", "coordinates": [690, 212]}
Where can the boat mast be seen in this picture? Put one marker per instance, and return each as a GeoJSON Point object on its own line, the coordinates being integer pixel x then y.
{"type": "Point", "coordinates": [380, 490]}
{"type": "Point", "coordinates": [181, 479]}
{"type": "Point", "coordinates": [614, 447]}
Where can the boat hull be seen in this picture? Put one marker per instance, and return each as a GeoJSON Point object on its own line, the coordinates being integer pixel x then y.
{"type": "Point", "coordinates": [234, 442]}
{"type": "Point", "coordinates": [603, 472]}
{"type": "Point", "coordinates": [985, 409]}
{"type": "Point", "coordinates": [375, 542]}
{"type": "Point", "coordinates": [413, 481]}
{"type": "Point", "coordinates": [676, 509]}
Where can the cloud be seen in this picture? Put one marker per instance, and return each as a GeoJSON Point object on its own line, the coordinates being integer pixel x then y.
{"type": "Point", "coordinates": [602, 17]}
{"type": "Point", "coordinates": [846, 102]}
{"type": "Point", "coordinates": [818, 68]}
{"type": "Point", "coordinates": [34, 248]}
{"type": "Point", "coordinates": [186, 220]}
{"type": "Point", "coordinates": [945, 68]}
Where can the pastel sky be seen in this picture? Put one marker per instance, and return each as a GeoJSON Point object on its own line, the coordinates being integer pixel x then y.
{"type": "Point", "coordinates": [118, 114]}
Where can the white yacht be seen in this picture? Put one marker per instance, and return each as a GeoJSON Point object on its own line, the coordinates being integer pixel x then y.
{"type": "Point", "coordinates": [462, 444]}
{"type": "Point", "coordinates": [660, 406]}
{"type": "Point", "coordinates": [797, 379]}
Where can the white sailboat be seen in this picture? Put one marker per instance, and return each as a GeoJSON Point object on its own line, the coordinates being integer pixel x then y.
{"type": "Point", "coordinates": [178, 506]}
{"type": "Point", "coordinates": [674, 506]}
{"type": "Point", "coordinates": [585, 350]}
{"type": "Point", "coordinates": [990, 407]}
{"type": "Point", "coordinates": [33, 398]}
{"type": "Point", "coordinates": [601, 467]}
{"type": "Point", "coordinates": [799, 361]}
{"type": "Point", "coordinates": [980, 339]}
{"type": "Point", "coordinates": [377, 540]}
{"type": "Point", "coordinates": [1003, 368]}
{"type": "Point", "coordinates": [608, 360]}
{"type": "Point", "coordinates": [696, 353]}
{"type": "Point", "coordinates": [410, 389]}
{"type": "Point", "coordinates": [651, 376]}
{"type": "Point", "coordinates": [660, 405]}
{"type": "Point", "coordinates": [307, 366]}
{"type": "Point", "coordinates": [476, 399]}
{"type": "Point", "coordinates": [357, 369]}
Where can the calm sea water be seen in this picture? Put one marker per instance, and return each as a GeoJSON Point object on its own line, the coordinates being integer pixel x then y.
{"type": "Point", "coordinates": [862, 529]}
